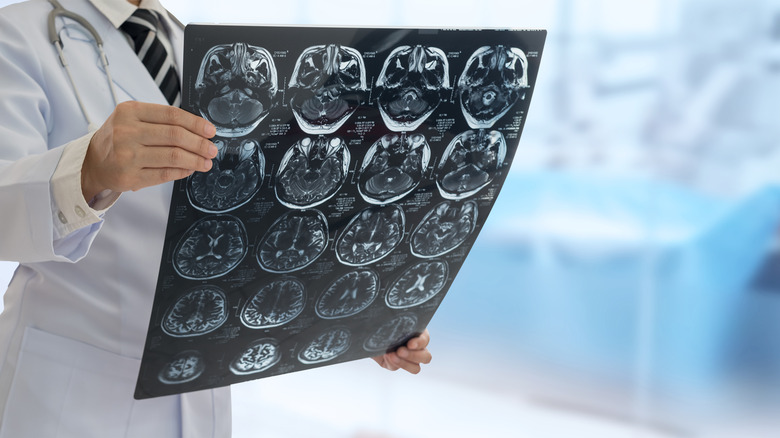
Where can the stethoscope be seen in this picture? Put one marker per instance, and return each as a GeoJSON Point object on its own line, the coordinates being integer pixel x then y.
{"type": "Point", "coordinates": [54, 37]}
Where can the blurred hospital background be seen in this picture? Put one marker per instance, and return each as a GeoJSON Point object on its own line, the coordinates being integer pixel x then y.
{"type": "Point", "coordinates": [627, 283]}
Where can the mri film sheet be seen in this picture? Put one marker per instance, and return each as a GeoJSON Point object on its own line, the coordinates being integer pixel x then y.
{"type": "Point", "coordinates": [356, 168]}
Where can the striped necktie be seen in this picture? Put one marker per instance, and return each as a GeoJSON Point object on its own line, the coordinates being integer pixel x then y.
{"type": "Point", "coordinates": [142, 27]}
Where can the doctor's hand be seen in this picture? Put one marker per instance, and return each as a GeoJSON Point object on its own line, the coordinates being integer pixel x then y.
{"type": "Point", "coordinates": [408, 357]}
{"type": "Point", "coordinates": [145, 144]}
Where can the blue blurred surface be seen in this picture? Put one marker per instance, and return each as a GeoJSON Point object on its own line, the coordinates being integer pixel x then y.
{"type": "Point", "coordinates": [558, 270]}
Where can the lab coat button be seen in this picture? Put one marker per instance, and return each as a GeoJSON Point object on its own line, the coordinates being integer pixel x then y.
{"type": "Point", "coordinates": [62, 217]}
{"type": "Point", "coordinates": [80, 211]}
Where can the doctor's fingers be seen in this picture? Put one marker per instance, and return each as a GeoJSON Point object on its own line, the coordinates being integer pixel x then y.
{"type": "Point", "coordinates": [419, 342]}
{"type": "Point", "coordinates": [392, 361]}
{"type": "Point", "coordinates": [171, 157]}
{"type": "Point", "coordinates": [178, 137]}
{"type": "Point", "coordinates": [414, 356]}
{"type": "Point", "coordinates": [166, 115]}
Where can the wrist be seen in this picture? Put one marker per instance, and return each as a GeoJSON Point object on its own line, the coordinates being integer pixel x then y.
{"type": "Point", "coordinates": [89, 188]}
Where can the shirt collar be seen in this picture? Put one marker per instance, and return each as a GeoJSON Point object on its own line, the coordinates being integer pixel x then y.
{"type": "Point", "coordinates": [118, 11]}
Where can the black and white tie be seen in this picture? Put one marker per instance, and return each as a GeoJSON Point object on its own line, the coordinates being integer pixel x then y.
{"type": "Point", "coordinates": [142, 27]}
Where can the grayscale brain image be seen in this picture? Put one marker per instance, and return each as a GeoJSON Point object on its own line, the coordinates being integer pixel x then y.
{"type": "Point", "coordinates": [348, 295]}
{"type": "Point", "coordinates": [326, 346]}
{"type": "Point", "coordinates": [417, 284]}
{"type": "Point", "coordinates": [390, 333]}
{"type": "Point", "coordinates": [275, 304]}
{"type": "Point", "coordinates": [444, 228]}
{"type": "Point", "coordinates": [372, 234]}
{"type": "Point", "coordinates": [411, 85]}
{"type": "Point", "coordinates": [469, 163]}
{"type": "Point", "coordinates": [312, 171]}
{"type": "Point", "coordinates": [185, 367]}
{"type": "Point", "coordinates": [236, 85]}
{"type": "Point", "coordinates": [211, 247]}
{"type": "Point", "coordinates": [326, 87]}
{"type": "Point", "coordinates": [234, 178]}
{"type": "Point", "coordinates": [199, 311]}
{"type": "Point", "coordinates": [356, 168]}
{"type": "Point", "coordinates": [492, 81]}
{"type": "Point", "coordinates": [393, 167]}
{"type": "Point", "coordinates": [293, 241]}
{"type": "Point", "coordinates": [258, 357]}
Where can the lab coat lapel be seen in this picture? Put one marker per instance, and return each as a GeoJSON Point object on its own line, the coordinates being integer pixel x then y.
{"type": "Point", "coordinates": [127, 71]}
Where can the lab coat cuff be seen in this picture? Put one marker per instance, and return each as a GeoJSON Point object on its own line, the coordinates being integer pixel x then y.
{"type": "Point", "coordinates": [70, 210]}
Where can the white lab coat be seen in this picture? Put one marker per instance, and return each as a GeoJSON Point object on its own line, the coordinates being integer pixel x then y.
{"type": "Point", "coordinates": [77, 309]}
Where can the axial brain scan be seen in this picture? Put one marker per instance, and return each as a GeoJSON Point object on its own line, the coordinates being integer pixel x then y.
{"type": "Point", "coordinates": [327, 86]}
{"type": "Point", "coordinates": [312, 171]}
{"type": "Point", "coordinates": [235, 176]}
{"type": "Point", "coordinates": [348, 295]}
{"type": "Point", "coordinates": [391, 334]}
{"type": "Point", "coordinates": [417, 285]}
{"type": "Point", "coordinates": [444, 228]}
{"type": "Point", "coordinates": [393, 167]}
{"type": "Point", "coordinates": [275, 304]}
{"type": "Point", "coordinates": [411, 85]}
{"type": "Point", "coordinates": [294, 241]}
{"type": "Point", "coordinates": [236, 87]}
{"type": "Point", "coordinates": [199, 311]}
{"type": "Point", "coordinates": [470, 162]}
{"type": "Point", "coordinates": [492, 81]}
{"type": "Point", "coordinates": [372, 234]}
{"type": "Point", "coordinates": [326, 346]}
{"type": "Point", "coordinates": [185, 367]}
{"type": "Point", "coordinates": [212, 247]}
{"type": "Point", "coordinates": [258, 357]}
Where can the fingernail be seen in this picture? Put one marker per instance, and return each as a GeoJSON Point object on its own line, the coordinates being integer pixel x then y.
{"type": "Point", "coordinates": [403, 352]}
{"type": "Point", "coordinates": [207, 165]}
{"type": "Point", "coordinates": [210, 130]}
{"type": "Point", "coordinates": [213, 150]}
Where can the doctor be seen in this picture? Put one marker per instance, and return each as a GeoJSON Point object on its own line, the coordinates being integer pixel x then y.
{"type": "Point", "coordinates": [84, 211]}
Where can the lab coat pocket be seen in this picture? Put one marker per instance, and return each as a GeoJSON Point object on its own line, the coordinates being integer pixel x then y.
{"type": "Point", "coordinates": [64, 388]}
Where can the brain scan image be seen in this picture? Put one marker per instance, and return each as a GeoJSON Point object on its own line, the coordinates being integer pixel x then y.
{"type": "Point", "coordinates": [372, 234]}
{"type": "Point", "coordinates": [236, 87]}
{"type": "Point", "coordinates": [259, 356]}
{"type": "Point", "coordinates": [411, 85]}
{"type": "Point", "coordinates": [444, 228]}
{"type": "Point", "coordinates": [185, 367]}
{"type": "Point", "coordinates": [492, 81]}
{"type": "Point", "coordinates": [393, 167]}
{"type": "Point", "coordinates": [312, 171]}
{"type": "Point", "coordinates": [391, 334]}
{"type": "Point", "coordinates": [327, 346]}
{"type": "Point", "coordinates": [327, 85]}
{"type": "Point", "coordinates": [275, 304]}
{"type": "Point", "coordinates": [294, 241]}
{"type": "Point", "coordinates": [470, 162]}
{"type": "Point", "coordinates": [197, 312]}
{"type": "Point", "coordinates": [212, 247]}
{"type": "Point", "coordinates": [235, 176]}
{"type": "Point", "coordinates": [348, 295]}
{"type": "Point", "coordinates": [417, 285]}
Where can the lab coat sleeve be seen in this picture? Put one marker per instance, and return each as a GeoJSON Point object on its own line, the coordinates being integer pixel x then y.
{"type": "Point", "coordinates": [27, 163]}
{"type": "Point", "coordinates": [72, 212]}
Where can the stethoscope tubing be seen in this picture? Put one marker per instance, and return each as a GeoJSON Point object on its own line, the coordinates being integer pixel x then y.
{"type": "Point", "coordinates": [54, 37]}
